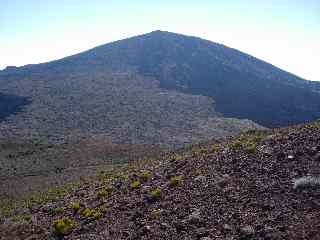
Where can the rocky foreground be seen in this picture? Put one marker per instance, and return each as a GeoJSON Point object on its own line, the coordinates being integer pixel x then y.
{"type": "Point", "coordinates": [258, 185]}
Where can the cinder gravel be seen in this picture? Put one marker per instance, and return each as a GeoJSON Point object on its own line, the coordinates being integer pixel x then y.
{"type": "Point", "coordinates": [226, 192]}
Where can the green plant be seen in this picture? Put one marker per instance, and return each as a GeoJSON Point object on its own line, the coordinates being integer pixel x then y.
{"type": "Point", "coordinates": [251, 148]}
{"type": "Point", "coordinates": [135, 184]}
{"type": "Point", "coordinates": [50, 196]}
{"type": "Point", "coordinates": [91, 213]}
{"type": "Point", "coordinates": [63, 226]}
{"type": "Point", "coordinates": [59, 209]}
{"type": "Point", "coordinates": [175, 180]}
{"type": "Point", "coordinates": [235, 144]}
{"type": "Point", "coordinates": [156, 193]}
{"type": "Point", "coordinates": [145, 175]}
{"type": "Point", "coordinates": [203, 151]}
{"type": "Point", "coordinates": [105, 191]}
{"type": "Point", "coordinates": [215, 147]}
{"type": "Point", "coordinates": [75, 206]}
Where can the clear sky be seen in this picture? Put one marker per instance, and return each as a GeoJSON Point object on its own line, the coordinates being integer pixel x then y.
{"type": "Point", "coordinates": [285, 33]}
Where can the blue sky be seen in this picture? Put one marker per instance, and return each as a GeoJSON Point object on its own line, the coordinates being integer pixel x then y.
{"type": "Point", "coordinates": [285, 33]}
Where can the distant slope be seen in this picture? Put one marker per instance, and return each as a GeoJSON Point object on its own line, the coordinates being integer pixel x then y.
{"type": "Point", "coordinates": [157, 87]}
{"type": "Point", "coordinates": [126, 108]}
{"type": "Point", "coordinates": [241, 85]}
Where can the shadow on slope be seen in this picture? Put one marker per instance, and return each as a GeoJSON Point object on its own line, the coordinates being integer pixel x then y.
{"type": "Point", "coordinates": [11, 104]}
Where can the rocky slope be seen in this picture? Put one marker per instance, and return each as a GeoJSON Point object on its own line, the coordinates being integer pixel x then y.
{"type": "Point", "coordinates": [257, 185]}
{"type": "Point", "coordinates": [126, 108]}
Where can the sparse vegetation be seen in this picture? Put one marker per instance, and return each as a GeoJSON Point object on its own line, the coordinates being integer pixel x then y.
{"type": "Point", "coordinates": [135, 184]}
{"type": "Point", "coordinates": [105, 191]}
{"type": "Point", "coordinates": [63, 226]}
{"type": "Point", "coordinates": [175, 181]}
{"type": "Point", "coordinates": [235, 144]}
{"type": "Point", "coordinates": [145, 175]}
{"type": "Point", "coordinates": [59, 210]}
{"type": "Point", "coordinates": [91, 213]}
{"type": "Point", "coordinates": [75, 206]}
{"type": "Point", "coordinates": [49, 196]}
{"type": "Point", "coordinates": [215, 147]}
{"type": "Point", "coordinates": [251, 148]}
{"type": "Point", "coordinates": [156, 193]}
{"type": "Point", "coordinates": [229, 174]}
{"type": "Point", "coordinates": [199, 152]}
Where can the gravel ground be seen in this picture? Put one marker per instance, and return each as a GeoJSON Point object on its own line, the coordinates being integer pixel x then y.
{"type": "Point", "coordinates": [258, 185]}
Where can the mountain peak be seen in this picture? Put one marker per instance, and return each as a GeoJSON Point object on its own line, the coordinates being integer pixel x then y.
{"type": "Point", "coordinates": [162, 33]}
{"type": "Point", "coordinates": [193, 65]}
{"type": "Point", "coordinates": [157, 31]}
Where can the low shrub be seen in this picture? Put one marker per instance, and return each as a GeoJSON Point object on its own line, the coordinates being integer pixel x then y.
{"type": "Point", "coordinates": [251, 148]}
{"type": "Point", "coordinates": [59, 210]}
{"type": "Point", "coordinates": [145, 175]}
{"type": "Point", "coordinates": [215, 148]}
{"type": "Point", "coordinates": [156, 193]}
{"type": "Point", "coordinates": [91, 213]}
{"type": "Point", "coordinates": [75, 206]}
{"type": "Point", "coordinates": [135, 184]}
{"type": "Point", "coordinates": [235, 144]}
{"type": "Point", "coordinates": [175, 180]}
{"type": "Point", "coordinates": [105, 191]}
{"type": "Point", "coordinates": [63, 226]}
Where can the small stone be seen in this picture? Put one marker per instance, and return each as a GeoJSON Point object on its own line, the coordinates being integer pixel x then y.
{"type": "Point", "coordinates": [281, 156]}
{"type": "Point", "coordinates": [201, 179]}
{"type": "Point", "coordinates": [48, 208]}
{"type": "Point", "coordinates": [312, 151]}
{"type": "Point", "coordinates": [179, 226]}
{"type": "Point", "coordinates": [266, 150]}
{"type": "Point", "coordinates": [290, 157]}
{"type": "Point", "coordinates": [164, 225]}
{"type": "Point", "coordinates": [194, 217]}
{"type": "Point", "coordinates": [7, 221]}
{"type": "Point", "coordinates": [22, 211]}
{"type": "Point", "coordinates": [247, 230]}
{"type": "Point", "coordinates": [202, 232]}
{"type": "Point", "coordinates": [118, 184]}
{"type": "Point", "coordinates": [227, 227]}
{"type": "Point", "coordinates": [146, 189]}
{"type": "Point", "coordinates": [144, 230]}
{"type": "Point", "coordinates": [317, 157]}
{"type": "Point", "coordinates": [223, 181]}
{"type": "Point", "coordinates": [273, 236]}
{"type": "Point", "coordinates": [267, 205]}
